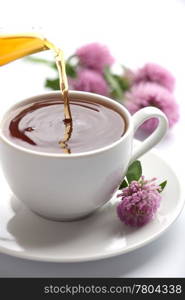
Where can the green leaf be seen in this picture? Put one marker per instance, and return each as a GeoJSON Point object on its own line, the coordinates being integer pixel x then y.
{"type": "Point", "coordinates": [70, 70]}
{"type": "Point", "coordinates": [123, 185]}
{"type": "Point", "coordinates": [162, 185]}
{"type": "Point", "coordinates": [134, 172]}
{"type": "Point", "coordinates": [52, 84]}
{"type": "Point", "coordinates": [123, 82]}
{"type": "Point", "coordinates": [116, 90]}
{"type": "Point", "coordinates": [41, 61]}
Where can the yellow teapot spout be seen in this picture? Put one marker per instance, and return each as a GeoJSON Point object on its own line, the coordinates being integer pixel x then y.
{"type": "Point", "coordinates": [16, 46]}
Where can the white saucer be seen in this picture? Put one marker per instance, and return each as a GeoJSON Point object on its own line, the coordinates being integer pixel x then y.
{"type": "Point", "coordinates": [26, 235]}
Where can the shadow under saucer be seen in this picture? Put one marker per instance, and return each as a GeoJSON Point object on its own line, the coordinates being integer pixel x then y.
{"type": "Point", "coordinates": [43, 238]}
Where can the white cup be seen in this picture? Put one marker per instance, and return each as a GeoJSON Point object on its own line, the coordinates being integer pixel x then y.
{"type": "Point", "coordinates": [67, 187]}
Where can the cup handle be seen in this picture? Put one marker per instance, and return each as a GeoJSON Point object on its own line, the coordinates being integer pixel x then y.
{"type": "Point", "coordinates": [138, 119]}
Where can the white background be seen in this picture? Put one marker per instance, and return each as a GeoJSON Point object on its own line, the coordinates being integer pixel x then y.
{"type": "Point", "coordinates": [136, 32]}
